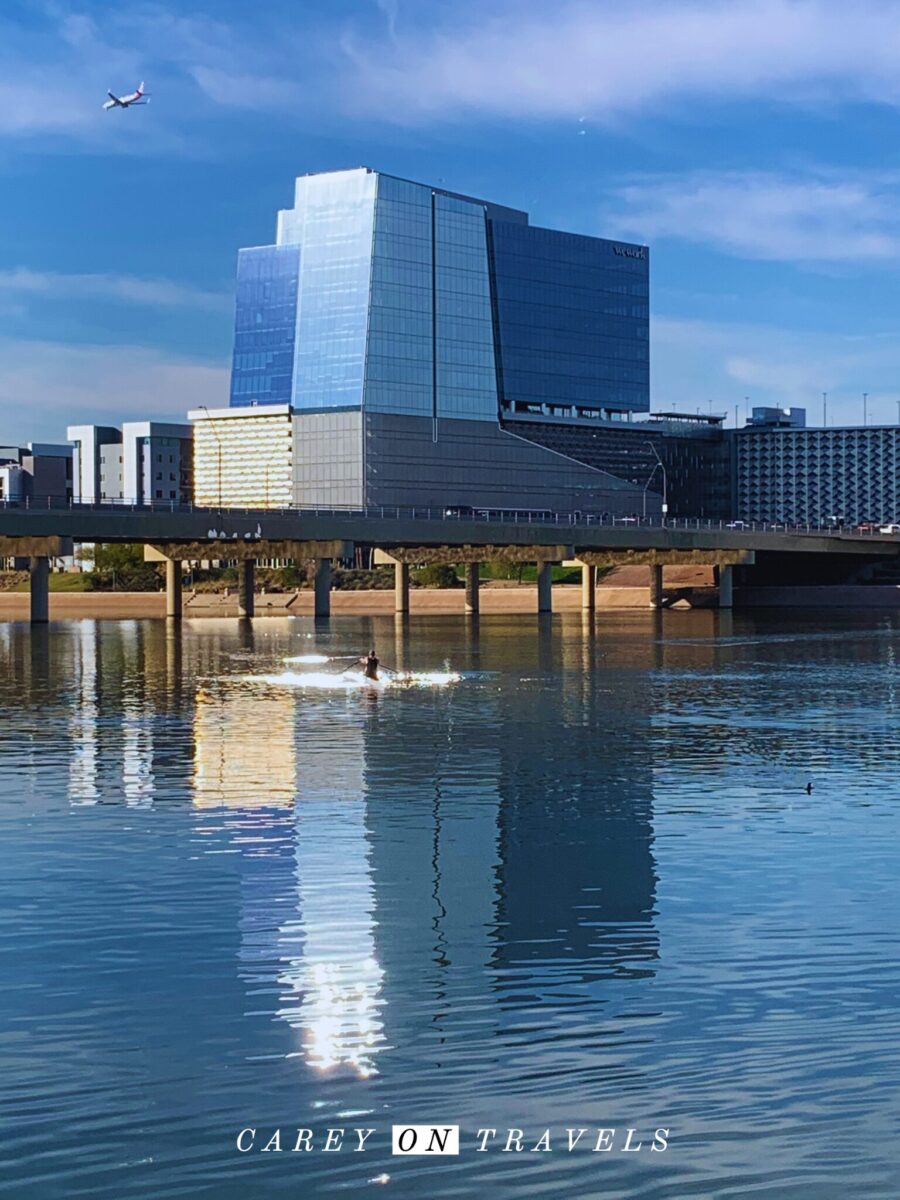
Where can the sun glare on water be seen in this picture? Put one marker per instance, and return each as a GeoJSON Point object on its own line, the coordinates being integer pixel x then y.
{"type": "Point", "coordinates": [348, 681]}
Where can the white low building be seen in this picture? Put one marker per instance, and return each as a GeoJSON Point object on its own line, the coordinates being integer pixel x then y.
{"type": "Point", "coordinates": [243, 457]}
{"type": "Point", "coordinates": [144, 462]}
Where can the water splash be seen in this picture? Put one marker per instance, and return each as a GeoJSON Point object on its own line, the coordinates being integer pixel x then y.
{"type": "Point", "coordinates": [347, 681]}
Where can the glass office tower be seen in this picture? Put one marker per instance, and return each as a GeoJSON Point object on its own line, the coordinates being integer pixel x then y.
{"type": "Point", "coordinates": [421, 332]}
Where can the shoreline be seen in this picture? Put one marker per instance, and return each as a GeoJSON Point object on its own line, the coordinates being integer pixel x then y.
{"type": "Point", "coordinates": [14, 606]}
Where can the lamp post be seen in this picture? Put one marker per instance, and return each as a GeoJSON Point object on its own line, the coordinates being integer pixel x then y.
{"type": "Point", "coordinates": [658, 465]}
{"type": "Point", "coordinates": [218, 455]}
{"type": "Point", "coordinates": [865, 408]}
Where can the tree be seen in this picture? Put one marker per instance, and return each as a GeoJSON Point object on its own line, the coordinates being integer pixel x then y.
{"type": "Point", "coordinates": [121, 566]}
{"type": "Point", "coordinates": [121, 558]}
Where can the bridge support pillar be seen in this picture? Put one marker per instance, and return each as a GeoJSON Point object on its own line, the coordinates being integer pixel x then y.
{"type": "Point", "coordinates": [545, 587]}
{"type": "Point", "coordinates": [173, 589]}
{"type": "Point", "coordinates": [656, 587]}
{"type": "Point", "coordinates": [401, 587]}
{"type": "Point", "coordinates": [588, 587]}
{"type": "Point", "coordinates": [473, 582]}
{"type": "Point", "coordinates": [323, 588]}
{"type": "Point", "coordinates": [40, 589]}
{"type": "Point", "coordinates": [726, 587]}
{"type": "Point", "coordinates": [246, 584]}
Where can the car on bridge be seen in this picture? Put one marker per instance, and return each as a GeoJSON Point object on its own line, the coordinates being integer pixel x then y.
{"type": "Point", "coordinates": [890, 528]}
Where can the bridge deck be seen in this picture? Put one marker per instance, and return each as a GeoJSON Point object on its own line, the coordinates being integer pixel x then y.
{"type": "Point", "coordinates": [387, 528]}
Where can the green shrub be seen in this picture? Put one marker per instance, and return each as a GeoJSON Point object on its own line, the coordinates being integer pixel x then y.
{"type": "Point", "coordinates": [437, 575]}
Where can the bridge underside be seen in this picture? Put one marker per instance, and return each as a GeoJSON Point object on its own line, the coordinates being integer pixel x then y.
{"type": "Point", "coordinates": [216, 550]}
{"type": "Point", "coordinates": [667, 558]}
{"type": "Point", "coordinates": [745, 557]}
{"type": "Point", "coordinates": [451, 555]}
{"type": "Point", "coordinates": [35, 547]}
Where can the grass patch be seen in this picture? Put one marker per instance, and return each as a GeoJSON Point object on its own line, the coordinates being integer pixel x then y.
{"type": "Point", "coordinates": [527, 572]}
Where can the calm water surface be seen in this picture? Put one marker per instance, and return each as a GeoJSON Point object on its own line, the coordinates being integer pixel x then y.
{"type": "Point", "coordinates": [584, 886]}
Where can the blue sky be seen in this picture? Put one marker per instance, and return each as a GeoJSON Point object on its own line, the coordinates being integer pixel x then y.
{"type": "Point", "coordinates": [754, 144]}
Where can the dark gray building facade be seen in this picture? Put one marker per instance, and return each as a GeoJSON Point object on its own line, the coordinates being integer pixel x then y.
{"type": "Point", "coordinates": [846, 475]}
{"type": "Point", "coordinates": [40, 472]}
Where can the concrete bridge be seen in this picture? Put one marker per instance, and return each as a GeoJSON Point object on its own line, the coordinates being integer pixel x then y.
{"type": "Point", "coordinates": [410, 536]}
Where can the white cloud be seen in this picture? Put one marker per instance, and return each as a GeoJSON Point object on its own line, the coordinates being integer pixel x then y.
{"type": "Point", "coordinates": [812, 217]}
{"type": "Point", "coordinates": [161, 293]}
{"type": "Point", "coordinates": [391, 11]}
{"type": "Point", "coordinates": [698, 363]}
{"type": "Point", "coordinates": [235, 89]}
{"type": "Point", "coordinates": [583, 58]}
{"type": "Point", "coordinates": [54, 74]}
{"type": "Point", "coordinates": [606, 60]}
{"type": "Point", "coordinates": [46, 385]}
{"type": "Point", "coordinates": [50, 77]}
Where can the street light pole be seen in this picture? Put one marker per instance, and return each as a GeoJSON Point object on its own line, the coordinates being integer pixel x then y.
{"type": "Point", "coordinates": [865, 408]}
{"type": "Point", "coordinates": [646, 486]}
{"type": "Point", "coordinates": [665, 482]}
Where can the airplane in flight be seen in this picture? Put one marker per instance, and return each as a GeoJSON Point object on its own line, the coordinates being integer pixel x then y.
{"type": "Point", "coordinates": [138, 97]}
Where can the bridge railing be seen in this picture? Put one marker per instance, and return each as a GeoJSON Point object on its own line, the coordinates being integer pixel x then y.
{"type": "Point", "coordinates": [453, 514]}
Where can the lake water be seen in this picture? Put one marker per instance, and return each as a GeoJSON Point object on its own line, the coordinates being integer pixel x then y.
{"type": "Point", "coordinates": [584, 886]}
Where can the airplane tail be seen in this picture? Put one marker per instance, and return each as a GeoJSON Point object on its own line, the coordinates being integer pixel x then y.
{"type": "Point", "coordinates": [140, 89]}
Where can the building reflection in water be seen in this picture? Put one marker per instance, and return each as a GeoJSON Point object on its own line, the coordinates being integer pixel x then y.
{"type": "Point", "coordinates": [431, 768]}
{"type": "Point", "coordinates": [509, 856]}
{"type": "Point", "coordinates": [292, 784]}
{"type": "Point", "coordinates": [83, 723]}
{"type": "Point", "coordinates": [116, 674]}
{"type": "Point", "coordinates": [138, 782]}
{"type": "Point", "coordinates": [330, 971]}
{"type": "Point", "coordinates": [578, 878]}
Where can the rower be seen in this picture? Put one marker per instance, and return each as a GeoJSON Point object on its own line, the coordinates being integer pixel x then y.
{"type": "Point", "coordinates": [370, 665]}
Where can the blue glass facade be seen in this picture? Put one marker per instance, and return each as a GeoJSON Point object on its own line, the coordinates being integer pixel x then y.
{"type": "Point", "coordinates": [418, 302]}
{"type": "Point", "coordinates": [466, 383]}
{"type": "Point", "coordinates": [264, 329]}
{"type": "Point", "coordinates": [431, 341]}
{"type": "Point", "coordinates": [400, 362]}
{"type": "Point", "coordinates": [572, 318]}
{"type": "Point", "coordinates": [332, 223]}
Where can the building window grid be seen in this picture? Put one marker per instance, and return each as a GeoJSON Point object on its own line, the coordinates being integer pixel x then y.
{"type": "Point", "coordinates": [819, 475]}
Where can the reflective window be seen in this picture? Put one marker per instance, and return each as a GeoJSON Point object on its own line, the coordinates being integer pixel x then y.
{"type": "Point", "coordinates": [332, 221]}
{"type": "Point", "coordinates": [264, 326]}
{"type": "Point", "coordinates": [467, 372]}
{"type": "Point", "coordinates": [430, 329]}
{"type": "Point", "coordinates": [399, 376]}
{"type": "Point", "coordinates": [573, 319]}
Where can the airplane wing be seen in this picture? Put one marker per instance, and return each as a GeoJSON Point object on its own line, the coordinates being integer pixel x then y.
{"type": "Point", "coordinates": [112, 101]}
